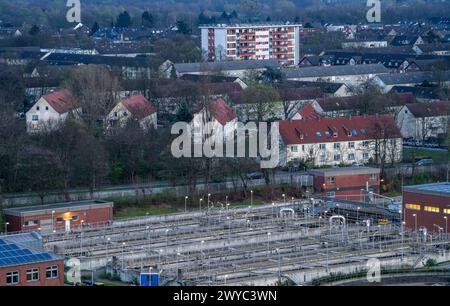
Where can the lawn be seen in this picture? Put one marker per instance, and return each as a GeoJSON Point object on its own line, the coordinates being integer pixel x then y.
{"type": "Point", "coordinates": [437, 155]}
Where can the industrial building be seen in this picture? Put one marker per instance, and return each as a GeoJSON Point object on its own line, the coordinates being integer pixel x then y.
{"type": "Point", "coordinates": [59, 216]}
{"type": "Point", "coordinates": [352, 183]}
{"type": "Point", "coordinates": [23, 262]}
{"type": "Point", "coordinates": [261, 41]}
{"type": "Point", "coordinates": [427, 207]}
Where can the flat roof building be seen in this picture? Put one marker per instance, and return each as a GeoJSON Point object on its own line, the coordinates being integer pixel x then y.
{"type": "Point", "coordinates": [427, 206]}
{"type": "Point", "coordinates": [252, 41]}
{"type": "Point", "coordinates": [59, 216]}
{"type": "Point", "coordinates": [24, 262]}
{"type": "Point", "coordinates": [351, 183]}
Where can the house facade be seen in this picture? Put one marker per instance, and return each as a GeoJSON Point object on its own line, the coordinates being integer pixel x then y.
{"type": "Point", "coordinates": [340, 141]}
{"type": "Point", "coordinates": [424, 120]}
{"type": "Point", "coordinates": [51, 110]}
{"type": "Point", "coordinates": [133, 108]}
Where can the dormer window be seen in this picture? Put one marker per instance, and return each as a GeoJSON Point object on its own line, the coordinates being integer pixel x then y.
{"type": "Point", "coordinates": [335, 134]}
{"type": "Point", "coordinates": [319, 134]}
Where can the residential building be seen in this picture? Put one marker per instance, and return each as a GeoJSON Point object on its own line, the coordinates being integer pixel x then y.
{"type": "Point", "coordinates": [351, 75]}
{"type": "Point", "coordinates": [24, 262]}
{"type": "Point", "coordinates": [427, 207]}
{"type": "Point", "coordinates": [435, 49]}
{"type": "Point", "coordinates": [420, 93]}
{"type": "Point", "coordinates": [387, 81]}
{"type": "Point", "coordinates": [229, 68]}
{"type": "Point", "coordinates": [364, 44]}
{"type": "Point", "coordinates": [346, 183]}
{"type": "Point", "coordinates": [262, 41]}
{"type": "Point", "coordinates": [339, 141]}
{"type": "Point", "coordinates": [62, 216]}
{"type": "Point", "coordinates": [407, 40]}
{"type": "Point", "coordinates": [51, 110]}
{"type": "Point", "coordinates": [133, 108]}
{"type": "Point", "coordinates": [328, 88]}
{"type": "Point", "coordinates": [424, 120]}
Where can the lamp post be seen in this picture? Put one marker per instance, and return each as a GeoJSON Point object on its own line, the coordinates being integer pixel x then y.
{"type": "Point", "coordinates": [251, 198]}
{"type": "Point", "coordinates": [268, 242]}
{"type": "Point", "coordinates": [225, 279]}
{"type": "Point", "coordinates": [178, 274]}
{"type": "Point", "coordinates": [415, 222]}
{"type": "Point", "coordinates": [209, 196]}
{"type": "Point", "coordinates": [108, 240]}
{"type": "Point", "coordinates": [53, 220]}
{"type": "Point", "coordinates": [273, 208]}
{"type": "Point", "coordinates": [185, 203]}
{"type": "Point", "coordinates": [81, 238]}
{"type": "Point", "coordinates": [226, 201]}
{"type": "Point", "coordinates": [6, 228]}
{"type": "Point", "coordinates": [446, 227]}
{"type": "Point", "coordinates": [279, 266]}
{"type": "Point", "coordinates": [201, 200]}
{"type": "Point", "coordinates": [123, 250]}
{"type": "Point", "coordinates": [357, 215]}
{"type": "Point", "coordinates": [167, 241]}
{"type": "Point", "coordinates": [284, 198]}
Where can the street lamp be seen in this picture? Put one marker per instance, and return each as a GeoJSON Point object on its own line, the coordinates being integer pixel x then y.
{"type": "Point", "coordinates": [123, 250]}
{"type": "Point", "coordinates": [403, 234]}
{"type": "Point", "coordinates": [446, 227]}
{"type": "Point", "coordinates": [53, 220]}
{"type": "Point", "coordinates": [108, 240]}
{"type": "Point", "coordinates": [201, 200]}
{"type": "Point", "coordinates": [251, 196]}
{"type": "Point", "coordinates": [268, 242]}
{"type": "Point", "coordinates": [6, 228]}
{"type": "Point", "coordinates": [284, 198]}
{"type": "Point", "coordinates": [357, 215]}
{"type": "Point", "coordinates": [226, 201]}
{"type": "Point", "coordinates": [415, 222]}
{"type": "Point", "coordinates": [185, 203]}
{"type": "Point", "coordinates": [209, 195]}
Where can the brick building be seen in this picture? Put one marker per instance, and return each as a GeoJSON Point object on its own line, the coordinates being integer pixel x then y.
{"type": "Point", "coordinates": [23, 262]}
{"type": "Point", "coordinates": [59, 216]}
{"type": "Point", "coordinates": [352, 183]}
{"type": "Point", "coordinates": [427, 206]}
{"type": "Point", "coordinates": [261, 41]}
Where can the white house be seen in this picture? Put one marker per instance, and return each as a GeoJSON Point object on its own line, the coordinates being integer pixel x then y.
{"type": "Point", "coordinates": [137, 108]}
{"type": "Point", "coordinates": [423, 120]}
{"type": "Point", "coordinates": [51, 110]}
{"type": "Point", "coordinates": [343, 140]}
{"type": "Point", "coordinates": [219, 115]}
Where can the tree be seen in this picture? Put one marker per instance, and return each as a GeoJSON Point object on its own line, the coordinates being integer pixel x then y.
{"type": "Point", "coordinates": [147, 20]}
{"type": "Point", "coordinates": [95, 28]}
{"type": "Point", "coordinates": [96, 91]}
{"type": "Point", "coordinates": [183, 28]}
{"type": "Point", "coordinates": [123, 20]}
{"type": "Point", "coordinates": [259, 102]}
{"type": "Point", "coordinates": [34, 30]}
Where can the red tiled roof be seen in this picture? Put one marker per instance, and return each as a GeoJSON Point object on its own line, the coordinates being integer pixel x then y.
{"type": "Point", "coordinates": [360, 128]}
{"type": "Point", "coordinates": [221, 111]}
{"type": "Point", "coordinates": [139, 106]}
{"type": "Point", "coordinates": [309, 112]}
{"type": "Point", "coordinates": [434, 109]}
{"type": "Point", "coordinates": [61, 101]}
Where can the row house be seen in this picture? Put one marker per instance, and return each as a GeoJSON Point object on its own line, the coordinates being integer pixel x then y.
{"type": "Point", "coordinates": [340, 141]}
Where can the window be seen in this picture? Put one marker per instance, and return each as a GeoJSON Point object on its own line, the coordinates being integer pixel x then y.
{"type": "Point", "coordinates": [35, 118]}
{"type": "Point", "coordinates": [331, 194]}
{"type": "Point", "coordinates": [374, 178]}
{"type": "Point", "coordinates": [319, 134]}
{"type": "Point", "coordinates": [447, 211]}
{"type": "Point", "coordinates": [413, 206]}
{"type": "Point", "coordinates": [337, 146]}
{"type": "Point", "coordinates": [30, 223]}
{"type": "Point", "coordinates": [46, 108]}
{"type": "Point", "coordinates": [337, 157]}
{"type": "Point", "coordinates": [335, 134]}
{"type": "Point", "coordinates": [51, 272]}
{"type": "Point", "coordinates": [125, 114]}
{"type": "Point", "coordinates": [431, 209]}
{"type": "Point", "coordinates": [351, 145]}
{"type": "Point", "coordinates": [327, 134]}
{"type": "Point", "coordinates": [351, 156]}
{"type": "Point", "coordinates": [294, 149]}
{"type": "Point", "coordinates": [323, 158]}
{"type": "Point", "coordinates": [303, 148]}
{"type": "Point", "coordinates": [32, 275]}
{"type": "Point", "coordinates": [37, 107]}
{"type": "Point", "coordinates": [74, 218]}
{"type": "Point", "coordinates": [115, 114]}
{"type": "Point", "coordinates": [12, 278]}
{"type": "Point", "coordinates": [59, 219]}
{"type": "Point", "coordinates": [331, 180]}
{"type": "Point", "coordinates": [322, 146]}
{"type": "Point", "coordinates": [366, 156]}
{"type": "Point", "coordinates": [365, 144]}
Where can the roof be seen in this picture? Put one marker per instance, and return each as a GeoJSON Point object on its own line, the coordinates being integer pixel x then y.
{"type": "Point", "coordinates": [434, 47]}
{"type": "Point", "coordinates": [221, 111]}
{"type": "Point", "coordinates": [23, 249]}
{"type": "Point", "coordinates": [225, 65]}
{"type": "Point", "coordinates": [321, 130]}
{"type": "Point", "coordinates": [433, 189]}
{"type": "Point", "coordinates": [299, 93]}
{"type": "Point", "coordinates": [139, 106]}
{"type": "Point", "coordinates": [250, 25]}
{"type": "Point", "coordinates": [344, 171]}
{"type": "Point", "coordinates": [59, 207]}
{"type": "Point", "coordinates": [326, 87]}
{"type": "Point", "coordinates": [75, 59]}
{"type": "Point", "coordinates": [418, 91]}
{"type": "Point", "coordinates": [411, 77]}
{"type": "Point", "coordinates": [61, 101]}
{"type": "Point", "coordinates": [309, 112]}
{"type": "Point", "coordinates": [305, 72]}
{"type": "Point", "coordinates": [400, 40]}
{"type": "Point", "coordinates": [351, 102]}
{"type": "Point", "coordinates": [434, 109]}
{"type": "Point", "coordinates": [208, 78]}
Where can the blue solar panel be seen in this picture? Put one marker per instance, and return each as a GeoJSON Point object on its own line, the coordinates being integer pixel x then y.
{"type": "Point", "coordinates": [12, 254]}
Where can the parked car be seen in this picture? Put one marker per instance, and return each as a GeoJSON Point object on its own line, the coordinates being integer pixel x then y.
{"type": "Point", "coordinates": [355, 164]}
{"type": "Point", "coordinates": [254, 175]}
{"type": "Point", "coordinates": [409, 141]}
{"type": "Point", "coordinates": [424, 162]}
